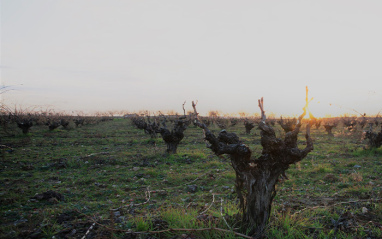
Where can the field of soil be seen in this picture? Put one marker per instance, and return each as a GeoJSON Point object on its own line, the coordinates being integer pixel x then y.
{"type": "Point", "coordinates": [111, 180]}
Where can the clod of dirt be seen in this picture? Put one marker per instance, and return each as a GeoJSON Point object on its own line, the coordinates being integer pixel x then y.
{"type": "Point", "coordinates": [165, 181]}
{"type": "Point", "coordinates": [117, 216]}
{"type": "Point", "coordinates": [364, 210]}
{"type": "Point", "coordinates": [66, 233]}
{"type": "Point", "coordinates": [49, 196]}
{"type": "Point", "coordinates": [36, 234]}
{"type": "Point", "coordinates": [145, 163]}
{"type": "Point", "coordinates": [20, 221]}
{"type": "Point", "coordinates": [346, 222]}
{"type": "Point", "coordinates": [27, 167]}
{"type": "Point", "coordinates": [101, 185]}
{"type": "Point", "coordinates": [68, 216]}
{"type": "Point", "coordinates": [162, 193]}
{"type": "Point", "coordinates": [117, 213]}
{"type": "Point", "coordinates": [61, 163]}
{"type": "Point", "coordinates": [192, 188]}
{"type": "Point", "coordinates": [330, 178]}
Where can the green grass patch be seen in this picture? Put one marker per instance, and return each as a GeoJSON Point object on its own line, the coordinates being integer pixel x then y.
{"type": "Point", "coordinates": [105, 171]}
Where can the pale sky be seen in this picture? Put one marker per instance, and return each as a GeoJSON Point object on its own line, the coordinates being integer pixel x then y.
{"type": "Point", "coordinates": [93, 55]}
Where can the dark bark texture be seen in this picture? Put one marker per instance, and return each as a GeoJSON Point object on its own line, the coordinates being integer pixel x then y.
{"type": "Point", "coordinates": [248, 126]}
{"type": "Point", "coordinates": [25, 125]}
{"type": "Point", "coordinates": [318, 124]}
{"type": "Point", "coordinates": [363, 122]}
{"type": "Point", "coordinates": [256, 178]}
{"type": "Point", "coordinates": [5, 121]}
{"type": "Point", "coordinates": [149, 127]}
{"type": "Point", "coordinates": [64, 123]}
{"type": "Point", "coordinates": [374, 139]}
{"type": "Point", "coordinates": [328, 129]}
{"type": "Point", "coordinates": [376, 122]}
{"type": "Point", "coordinates": [349, 124]}
{"type": "Point", "coordinates": [234, 122]}
{"type": "Point", "coordinates": [222, 124]}
{"type": "Point", "coordinates": [152, 128]}
{"type": "Point", "coordinates": [173, 137]}
{"type": "Point", "coordinates": [79, 121]}
{"type": "Point", "coordinates": [287, 124]}
{"type": "Point", "coordinates": [53, 124]}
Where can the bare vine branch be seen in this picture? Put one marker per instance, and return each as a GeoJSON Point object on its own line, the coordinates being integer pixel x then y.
{"type": "Point", "coordinates": [261, 106]}
{"type": "Point", "coordinates": [184, 111]}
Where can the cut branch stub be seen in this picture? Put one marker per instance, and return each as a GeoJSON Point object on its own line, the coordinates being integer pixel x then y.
{"type": "Point", "coordinates": [261, 106]}
{"type": "Point", "coordinates": [184, 111]}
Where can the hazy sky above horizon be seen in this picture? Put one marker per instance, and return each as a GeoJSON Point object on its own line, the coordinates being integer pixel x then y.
{"type": "Point", "coordinates": [93, 55]}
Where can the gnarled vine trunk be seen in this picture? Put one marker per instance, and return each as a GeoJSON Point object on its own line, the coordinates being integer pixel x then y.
{"type": "Point", "coordinates": [248, 126]}
{"type": "Point", "coordinates": [172, 138]}
{"type": "Point", "coordinates": [256, 178]}
{"type": "Point", "coordinates": [374, 139]}
{"type": "Point", "coordinates": [328, 129]}
{"type": "Point", "coordinates": [25, 125]}
{"type": "Point", "coordinates": [149, 127]}
{"type": "Point", "coordinates": [287, 124]}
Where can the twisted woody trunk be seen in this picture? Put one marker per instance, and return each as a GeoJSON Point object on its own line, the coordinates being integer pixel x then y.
{"type": "Point", "coordinates": [172, 138]}
{"type": "Point", "coordinates": [256, 178]}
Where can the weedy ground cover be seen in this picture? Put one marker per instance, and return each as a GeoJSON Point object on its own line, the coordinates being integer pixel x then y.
{"type": "Point", "coordinates": [110, 180]}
